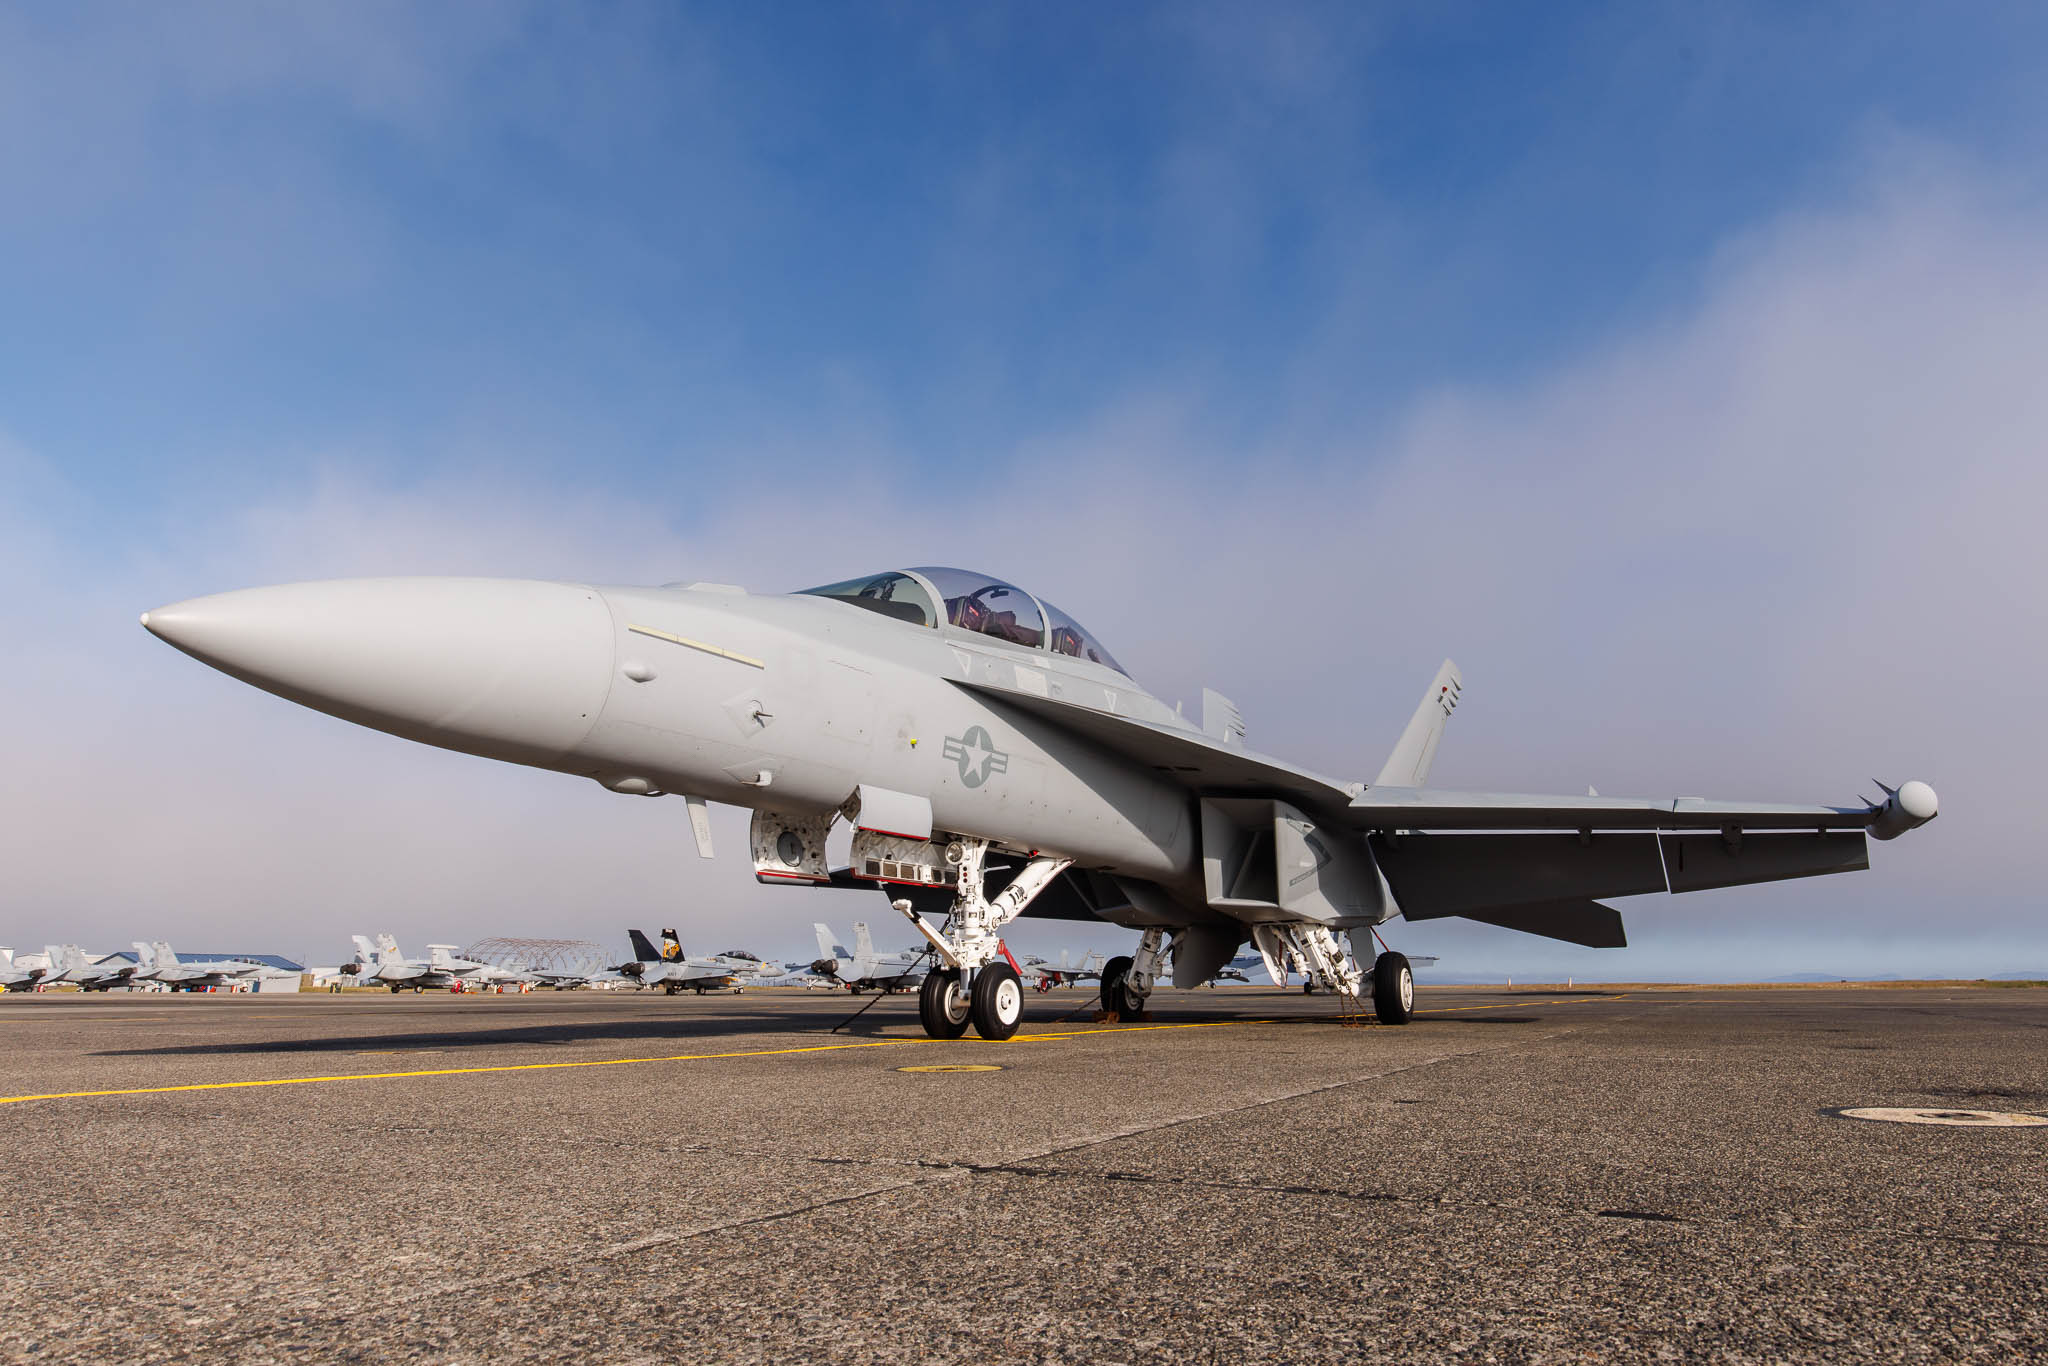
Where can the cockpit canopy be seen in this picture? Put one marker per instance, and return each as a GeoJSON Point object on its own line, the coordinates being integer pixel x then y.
{"type": "Point", "coordinates": [973, 602]}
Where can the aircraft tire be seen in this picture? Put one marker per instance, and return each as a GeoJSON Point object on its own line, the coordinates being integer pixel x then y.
{"type": "Point", "coordinates": [1114, 1002]}
{"type": "Point", "coordinates": [1393, 989]}
{"type": "Point", "coordinates": [942, 1005]}
{"type": "Point", "coordinates": [997, 1004]}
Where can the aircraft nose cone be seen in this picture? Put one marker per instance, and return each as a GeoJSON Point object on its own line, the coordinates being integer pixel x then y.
{"type": "Point", "coordinates": [509, 668]}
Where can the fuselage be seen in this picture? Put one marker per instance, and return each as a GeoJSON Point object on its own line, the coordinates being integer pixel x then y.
{"type": "Point", "coordinates": [789, 702]}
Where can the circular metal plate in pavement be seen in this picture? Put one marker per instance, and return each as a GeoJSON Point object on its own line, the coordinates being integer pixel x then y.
{"type": "Point", "coordinates": [1962, 1119]}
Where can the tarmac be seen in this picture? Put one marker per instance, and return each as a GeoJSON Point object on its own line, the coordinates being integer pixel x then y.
{"type": "Point", "coordinates": [1517, 1176]}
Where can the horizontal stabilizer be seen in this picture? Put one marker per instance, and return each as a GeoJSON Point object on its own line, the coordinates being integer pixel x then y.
{"type": "Point", "coordinates": [1576, 922]}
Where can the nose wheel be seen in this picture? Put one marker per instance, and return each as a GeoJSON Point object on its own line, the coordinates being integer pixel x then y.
{"type": "Point", "coordinates": [998, 1001]}
{"type": "Point", "coordinates": [942, 1004]}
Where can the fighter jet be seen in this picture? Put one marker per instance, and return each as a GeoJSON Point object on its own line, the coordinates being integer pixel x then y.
{"type": "Point", "coordinates": [68, 963]}
{"type": "Point", "coordinates": [156, 963]}
{"type": "Point", "coordinates": [669, 968]}
{"type": "Point", "coordinates": [382, 964]}
{"type": "Point", "coordinates": [863, 969]}
{"type": "Point", "coordinates": [13, 978]}
{"type": "Point", "coordinates": [1043, 975]}
{"type": "Point", "coordinates": [949, 717]}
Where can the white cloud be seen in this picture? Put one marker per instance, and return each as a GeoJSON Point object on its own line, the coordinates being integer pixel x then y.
{"type": "Point", "coordinates": [1766, 549]}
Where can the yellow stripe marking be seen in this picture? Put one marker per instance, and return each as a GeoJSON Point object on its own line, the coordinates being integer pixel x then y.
{"type": "Point", "coordinates": [732, 655]}
{"type": "Point", "coordinates": [591, 1062]}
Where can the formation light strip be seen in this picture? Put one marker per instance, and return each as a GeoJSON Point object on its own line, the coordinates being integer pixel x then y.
{"type": "Point", "coordinates": [685, 641]}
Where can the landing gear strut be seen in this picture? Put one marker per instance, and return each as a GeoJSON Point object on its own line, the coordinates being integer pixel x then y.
{"type": "Point", "coordinates": [1127, 982]}
{"type": "Point", "coordinates": [970, 943]}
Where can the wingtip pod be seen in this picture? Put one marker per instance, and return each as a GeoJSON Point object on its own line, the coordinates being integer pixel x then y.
{"type": "Point", "coordinates": [1906, 807]}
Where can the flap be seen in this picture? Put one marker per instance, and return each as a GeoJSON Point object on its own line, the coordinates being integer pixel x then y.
{"type": "Point", "coordinates": [1440, 875]}
{"type": "Point", "coordinates": [1575, 922]}
{"type": "Point", "coordinates": [1696, 862]}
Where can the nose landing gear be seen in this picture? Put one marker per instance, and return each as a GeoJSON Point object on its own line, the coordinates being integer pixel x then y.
{"type": "Point", "coordinates": [994, 1003]}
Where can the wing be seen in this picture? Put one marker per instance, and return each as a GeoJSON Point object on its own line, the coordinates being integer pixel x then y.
{"type": "Point", "coordinates": [1216, 769]}
{"type": "Point", "coordinates": [1423, 808]}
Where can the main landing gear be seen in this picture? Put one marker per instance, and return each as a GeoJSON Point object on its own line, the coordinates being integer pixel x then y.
{"type": "Point", "coordinates": [1393, 989]}
{"type": "Point", "coordinates": [1327, 966]}
{"type": "Point", "coordinates": [971, 985]}
{"type": "Point", "coordinates": [1127, 982]}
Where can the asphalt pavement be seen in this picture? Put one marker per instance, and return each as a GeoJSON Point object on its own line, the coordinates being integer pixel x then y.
{"type": "Point", "coordinates": [1518, 1176]}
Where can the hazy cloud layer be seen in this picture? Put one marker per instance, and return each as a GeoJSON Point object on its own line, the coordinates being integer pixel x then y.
{"type": "Point", "coordinates": [1774, 544]}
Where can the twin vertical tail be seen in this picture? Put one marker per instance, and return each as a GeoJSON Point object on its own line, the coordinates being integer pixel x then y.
{"type": "Point", "coordinates": [1409, 764]}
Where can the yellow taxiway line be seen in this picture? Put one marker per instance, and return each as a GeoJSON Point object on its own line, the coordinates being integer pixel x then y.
{"type": "Point", "coordinates": [591, 1062]}
{"type": "Point", "coordinates": [713, 1057]}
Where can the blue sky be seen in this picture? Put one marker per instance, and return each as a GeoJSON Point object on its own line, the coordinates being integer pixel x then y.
{"type": "Point", "coordinates": [499, 233]}
{"type": "Point", "coordinates": [1393, 306]}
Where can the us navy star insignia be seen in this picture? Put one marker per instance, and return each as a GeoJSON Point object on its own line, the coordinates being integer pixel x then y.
{"type": "Point", "coordinates": [976, 755]}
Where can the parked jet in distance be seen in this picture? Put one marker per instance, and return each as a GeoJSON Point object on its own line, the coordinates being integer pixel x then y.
{"type": "Point", "coordinates": [382, 964]}
{"type": "Point", "coordinates": [948, 716]}
{"type": "Point", "coordinates": [156, 963]}
{"type": "Point", "coordinates": [69, 964]}
{"type": "Point", "coordinates": [1043, 975]}
{"type": "Point", "coordinates": [13, 978]}
{"type": "Point", "coordinates": [669, 968]}
{"type": "Point", "coordinates": [862, 969]}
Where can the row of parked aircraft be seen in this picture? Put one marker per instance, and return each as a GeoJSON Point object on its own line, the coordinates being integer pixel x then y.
{"type": "Point", "coordinates": [382, 963]}
{"type": "Point", "coordinates": [155, 962]}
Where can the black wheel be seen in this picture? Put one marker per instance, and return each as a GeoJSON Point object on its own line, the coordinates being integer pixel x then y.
{"type": "Point", "coordinates": [997, 1004]}
{"type": "Point", "coordinates": [942, 1004]}
{"type": "Point", "coordinates": [1113, 974]}
{"type": "Point", "coordinates": [1393, 989]}
{"type": "Point", "coordinates": [1308, 988]}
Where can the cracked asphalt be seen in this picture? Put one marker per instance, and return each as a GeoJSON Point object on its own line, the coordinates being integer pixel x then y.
{"type": "Point", "coordinates": [1518, 1176]}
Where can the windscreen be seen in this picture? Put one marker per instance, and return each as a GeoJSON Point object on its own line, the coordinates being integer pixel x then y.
{"type": "Point", "coordinates": [892, 594]}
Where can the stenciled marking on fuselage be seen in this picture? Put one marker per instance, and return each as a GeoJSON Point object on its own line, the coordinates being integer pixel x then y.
{"type": "Point", "coordinates": [976, 755]}
{"type": "Point", "coordinates": [685, 641]}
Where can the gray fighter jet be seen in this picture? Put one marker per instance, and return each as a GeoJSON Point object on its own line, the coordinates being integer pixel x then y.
{"type": "Point", "coordinates": [993, 759]}
{"type": "Point", "coordinates": [382, 964]}
{"type": "Point", "coordinates": [14, 978]}
{"type": "Point", "coordinates": [863, 969]}
{"type": "Point", "coordinates": [68, 963]}
{"type": "Point", "coordinates": [156, 963]}
{"type": "Point", "coordinates": [669, 968]}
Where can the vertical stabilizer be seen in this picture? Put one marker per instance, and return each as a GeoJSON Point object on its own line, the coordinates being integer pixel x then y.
{"type": "Point", "coordinates": [164, 958]}
{"type": "Point", "coordinates": [863, 943]}
{"type": "Point", "coordinates": [1408, 765]}
{"type": "Point", "coordinates": [643, 952]}
{"type": "Point", "coordinates": [1221, 720]}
